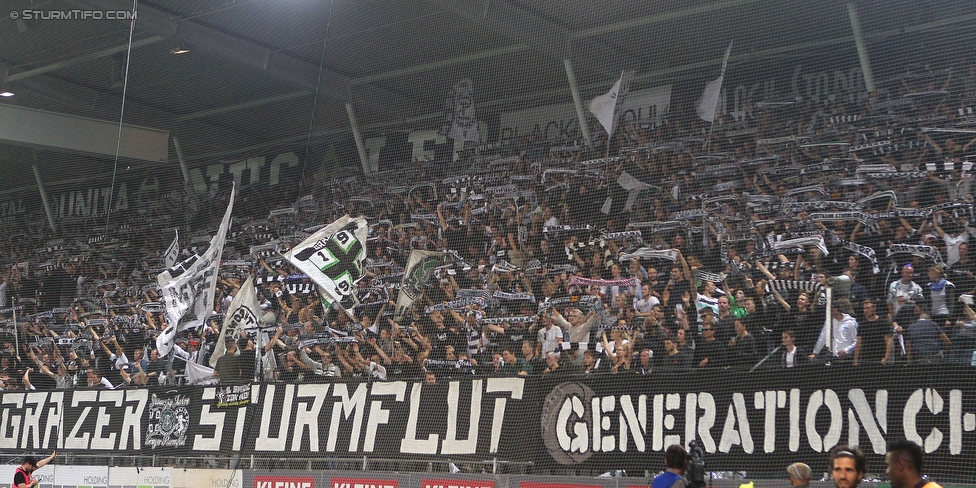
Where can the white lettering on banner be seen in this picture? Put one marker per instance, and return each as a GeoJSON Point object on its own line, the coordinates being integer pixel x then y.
{"type": "Point", "coordinates": [419, 139]}
{"type": "Point", "coordinates": [12, 207]}
{"type": "Point", "coordinates": [92, 202]}
{"type": "Point", "coordinates": [559, 121]}
{"type": "Point", "coordinates": [283, 482]}
{"type": "Point", "coordinates": [824, 87]}
{"type": "Point", "coordinates": [362, 483]}
{"type": "Point", "coordinates": [430, 483]}
{"type": "Point", "coordinates": [298, 412]}
{"type": "Point", "coordinates": [576, 422]}
{"type": "Point", "coordinates": [271, 410]}
{"type": "Point", "coordinates": [204, 178]}
{"type": "Point", "coordinates": [307, 415]}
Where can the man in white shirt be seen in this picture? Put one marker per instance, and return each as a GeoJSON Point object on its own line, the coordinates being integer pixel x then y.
{"type": "Point", "coordinates": [956, 236]}
{"type": "Point", "coordinates": [903, 291]}
{"type": "Point", "coordinates": [549, 337]}
{"type": "Point", "coordinates": [843, 333]}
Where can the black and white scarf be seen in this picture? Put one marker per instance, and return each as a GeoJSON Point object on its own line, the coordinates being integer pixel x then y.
{"type": "Point", "coordinates": [865, 251]}
{"type": "Point", "coordinates": [800, 242]}
{"type": "Point", "coordinates": [522, 319]}
{"type": "Point", "coordinates": [916, 250]}
{"type": "Point", "coordinates": [650, 253]}
{"type": "Point", "coordinates": [866, 219]}
{"type": "Point", "coordinates": [514, 296]}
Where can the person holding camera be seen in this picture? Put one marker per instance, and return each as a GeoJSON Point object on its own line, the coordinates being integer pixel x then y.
{"type": "Point", "coordinates": [24, 475]}
{"type": "Point", "coordinates": [675, 462]}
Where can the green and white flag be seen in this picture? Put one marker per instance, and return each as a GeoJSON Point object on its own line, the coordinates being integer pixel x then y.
{"type": "Point", "coordinates": [420, 267]}
{"type": "Point", "coordinates": [333, 259]}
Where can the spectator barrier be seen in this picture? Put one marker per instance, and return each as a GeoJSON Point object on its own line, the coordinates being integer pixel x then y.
{"type": "Point", "coordinates": [745, 422]}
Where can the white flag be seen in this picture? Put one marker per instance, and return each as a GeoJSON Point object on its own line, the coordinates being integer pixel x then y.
{"type": "Point", "coordinates": [420, 267]}
{"type": "Point", "coordinates": [198, 374]}
{"type": "Point", "coordinates": [241, 315]}
{"type": "Point", "coordinates": [633, 187]}
{"type": "Point", "coordinates": [188, 288]}
{"type": "Point", "coordinates": [606, 107]}
{"type": "Point", "coordinates": [172, 252]}
{"type": "Point", "coordinates": [708, 103]}
{"type": "Point", "coordinates": [333, 259]}
{"type": "Point", "coordinates": [460, 123]}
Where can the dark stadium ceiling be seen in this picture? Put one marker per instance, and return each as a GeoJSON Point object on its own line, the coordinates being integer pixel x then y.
{"type": "Point", "coordinates": [252, 73]}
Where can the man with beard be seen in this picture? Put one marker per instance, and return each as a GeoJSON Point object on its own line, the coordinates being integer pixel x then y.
{"type": "Point", "coordinates": [847, 466]}
{"type": "Point", "coordinates": [24, 475]}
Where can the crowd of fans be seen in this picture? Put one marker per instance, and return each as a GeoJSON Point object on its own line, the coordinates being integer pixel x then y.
{"type": "Point", "coordinates": [690, 249]}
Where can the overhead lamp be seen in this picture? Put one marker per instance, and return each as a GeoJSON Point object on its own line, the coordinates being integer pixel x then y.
{"type": "Point", "coordinates": [182, 49]}
{"type": "Point", "coordinates": [6, 93]}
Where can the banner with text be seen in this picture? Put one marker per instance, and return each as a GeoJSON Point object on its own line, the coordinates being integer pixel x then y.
{"type": "Point", "coordinates": [602, 422]}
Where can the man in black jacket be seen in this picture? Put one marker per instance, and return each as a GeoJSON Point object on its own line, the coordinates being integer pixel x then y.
{"type": "Point", "coordinates": [742, 347]}
{"type": "Point", "coordinates": [792, 356]}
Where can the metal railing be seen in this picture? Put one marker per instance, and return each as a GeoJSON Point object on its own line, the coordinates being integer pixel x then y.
{"type": "Point", "coordinates": [317, 463]}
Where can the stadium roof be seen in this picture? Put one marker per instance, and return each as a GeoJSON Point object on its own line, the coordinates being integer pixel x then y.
{"type": "Point", "coordinates": [257, 70]}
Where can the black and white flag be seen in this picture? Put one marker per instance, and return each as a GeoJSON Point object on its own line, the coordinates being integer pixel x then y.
{"type": "Point", "coordinates": [188, 288]}
{"type": "Point", "coordinates": [460, 123]}
{"type": "Point", "coordinates": [173, 251]}
{"type": "Point", "coordinates": [333, 258]}
{"type": "Point", "coordinates": [241, 315]}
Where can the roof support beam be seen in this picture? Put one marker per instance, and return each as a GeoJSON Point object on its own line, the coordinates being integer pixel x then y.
{"type": "Point", "coordinates": [534, 31]}
{"type": "Point", "coordinates": [284, 66]}
{"type": "Point", "coordinates": [104, 53]}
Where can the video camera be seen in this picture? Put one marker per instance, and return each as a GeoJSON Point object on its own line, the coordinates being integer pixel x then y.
{"type": "Point", "coordinates": [696, 465]}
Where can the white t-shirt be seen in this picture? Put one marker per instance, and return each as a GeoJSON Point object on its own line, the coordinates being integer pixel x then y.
{"type": "Point", "coordinates": [549, 339]}
{"type": "Point", "coordinates": [644, 305]}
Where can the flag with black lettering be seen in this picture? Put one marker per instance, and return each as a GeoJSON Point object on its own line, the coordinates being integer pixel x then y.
{"type": "Point", "coordinates": [188, 288]}
{"type": "Point", "coordinates": [241, 315]}
{"type": "Point", "coordinates": [173, 251]}
{"type": "Point", "coordinates": [333, 258]}
{"type": "Point", "coordinates": [420, 267]}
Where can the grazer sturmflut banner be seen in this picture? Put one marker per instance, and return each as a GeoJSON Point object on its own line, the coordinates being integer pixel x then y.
{"type": "Point", "coordinates": [743, 421]}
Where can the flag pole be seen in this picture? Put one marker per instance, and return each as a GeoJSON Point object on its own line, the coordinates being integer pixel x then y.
{"type": "Point", "coordinates": [708, 139]}
{"type": "Point", "coordinates": [577, 102]}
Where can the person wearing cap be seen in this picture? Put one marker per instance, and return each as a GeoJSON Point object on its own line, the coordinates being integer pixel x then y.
{"type": "Point", "coordinates": [800, 475]}
{"type": "Point", "coordinates": [24, 475]}
{"type": "Point", "coordinates": [847, 466]}
{"type": "Point", "coordinates": [904, 465]}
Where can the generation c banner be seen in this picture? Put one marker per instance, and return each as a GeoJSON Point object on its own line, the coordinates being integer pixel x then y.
{"type": "Point", "coordinates": [597, 422]}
